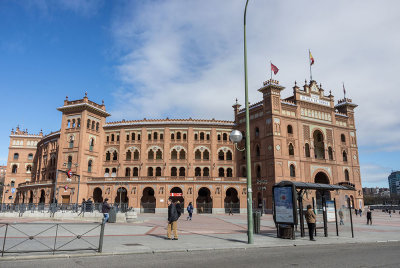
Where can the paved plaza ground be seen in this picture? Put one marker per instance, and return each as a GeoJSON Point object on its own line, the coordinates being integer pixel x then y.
{"type": "Point", "coordinates": [215, 232]}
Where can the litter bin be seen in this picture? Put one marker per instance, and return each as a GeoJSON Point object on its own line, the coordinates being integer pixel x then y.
{"type": "Point", "coordinates": [285, 231]}
{"type": "Point", "coordinates": [112, 215]}
{"type": "Point", "coordinates": [256, 221]}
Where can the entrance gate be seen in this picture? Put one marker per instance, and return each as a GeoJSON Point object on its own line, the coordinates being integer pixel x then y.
{"type": "Point", "coordinates": [204, 201]}
{"type": "Point", "coordinates": [148, 201]}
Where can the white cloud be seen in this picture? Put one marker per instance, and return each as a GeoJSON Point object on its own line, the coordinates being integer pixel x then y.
{"type": "Point", "coordinates": [374, 175]}
{"type": "Point", "coordinates": [185, 58]}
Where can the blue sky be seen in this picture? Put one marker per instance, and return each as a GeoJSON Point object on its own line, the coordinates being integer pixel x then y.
{"type": "Point", "coordinates": [180, 59]}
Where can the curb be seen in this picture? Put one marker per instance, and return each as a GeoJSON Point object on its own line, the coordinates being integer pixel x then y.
{"type": "Point", "coordinates": [163, 251]}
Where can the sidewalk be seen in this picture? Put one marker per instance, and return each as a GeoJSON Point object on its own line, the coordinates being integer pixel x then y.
{"type": "Point", "coordinates": [217, 232]}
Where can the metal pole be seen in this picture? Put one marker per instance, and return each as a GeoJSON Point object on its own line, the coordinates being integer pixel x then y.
{"type": "Point", "coordinates": [77, 195]}
{"type": "Point", "coordinates": [351, 217]}
{"type": "Point", "coordinates": [101, 237]}
{"type": "Point", "coordinates": [337, 228]}
{"type": "Point", "coordinates": [55, 188]}
{"type": "Point", "coordinates": [324, 214]}
{"type": "Point", "coordinates": [309, 61]}
{"type": "Point", "coordinates": [248, 155]}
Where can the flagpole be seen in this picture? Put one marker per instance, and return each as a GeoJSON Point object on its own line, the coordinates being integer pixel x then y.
{"type": "Point", "coordinates": [270, 66]}
{"type": "Point", "coordinates": [309, 60]}
{"type": "Point", "coordinates": [344, 91]}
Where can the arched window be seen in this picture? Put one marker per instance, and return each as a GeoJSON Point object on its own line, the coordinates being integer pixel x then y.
{"type": "Point", "coordinates": [14, 169]}
{"type": "Point", "coordinates": [68, 124]}
{"type": "Point", "coordinates": [150, 172]}
{"type": "Point", "coordinates": [221, 155]}
{"type": "Point", "coordinates": [78, 122]}
{"type": "Point", "coordinates": [158, 154]}
{"type": "Point", "coordinates": [114, 172]}
{"type": "Point", "coordinates": [108, 156]}
{"type": "Point", "coordinates": [319, 147]}
{"type": "Point", "coordinates": [127, 172]}
{"type": "Point", "coordinates": [115, 155]}
{"type": "Point", "coordinates": [93, 125]}
{"type": "Point", "coordinates": [208, 137]}
{"type": "Point", "coordinates": [182, 172]}
{"type": "Point", "coordinates": [16, 156]}
{"type": "Point", "coordinates": [346, 175]}
{"type": "Point", "coordinates": [174, 172]}
{"type": "Point", "coordinates": [229, 172]}
{"type": "Point", "coordinates": [307, 150]}
{"type": "Point", "coordinates": [201, 135]}
{"type": "Point", "coordinates": [184, 136]}
{"type": "Point", "coordinates": [88, 123]}
{"type": "Point", "coordinates": [107, 172]}
{"type": "Point", "coordinates": [258, 171]}
{"type": "Point", "coordinates": [228, 155]}
{"type": "Point", "coordinates": [69, 164]}
{"type": "Point", "coordinates": [136, 155]}
{"type": "Point", "coordinates": [135, 172]}
{"type": "Point", "coordinates": [221, 172]}
{"type": "Point", "coordinates": [127, 137]}
{"type": "Point", "coordinates": [225, 137]}
{"type": "Point", "coordinates": [292, 171]}
{"type": "Point", "coordinates": [128, 155]}
{"type": "Point", "coordinates": [71, 142]}
{"type": "Point", "coordinates": [206, 172]}
{"type": "Point", "coordinates": [172, 136]}
{"type": "Point", "coordinates": [330, 153]}
{"type": "Point", "coordinates": [291, 149]}
{"type": "Point", "coordinates": [91, 144]}
{"type": "Point", "coordinates": [289, 129]}
{"type": "Point", "coordinates": [89, 166]}
{"type": "Point", "coordinates": [138, 137]}
{"type": "Point", "coordinates": [150, 154]}
{"type": "Point", "coordinates": [244, 172]}
{"type": "Point", "coordinates": [206, 155]}
{"type": "Point", "coordinates": [343, 138]}
{"type": "Point", "coordinates": [219, 137]}
{"type": "Point", "coordinates": [344, 156]}
{"type": "Point", "coordinates": [149, 136]}
{"type": "Point", "coordinates": [30, 156]}
{"type": "Point", "coordinates": [174, 154]}
{"type": "Point", "coordinates": [182, 154]}
{"type": "Point", "coordinates": [195, 136]}
{"type": "Point", "coordinates": [73, 123]}
{"type": "Point", "coordinates": [112, 137]}
{"type": "Point", "coordinates": [28, 168]}
{"type": "Point", "coordinates": [197, 154]}
{"type": "Point", "coordinates": [155, 135]}
{"type": "Point", "coordinates": [97, 126]}
{"type": "Point", "coordinates": [257, 132]}
{"type": "Point", "coordinates": [258, 150]}
{"type": "Point", "coordinates": [108, 138]}
{"type": "Point", "coordinates": [197, 172]}
{"type": "Point", "coordinates": [133, 136]}
{"type": "Point", "coordinates": [158, 171]}
{"type": "Point", "coordinates": [178, 135]}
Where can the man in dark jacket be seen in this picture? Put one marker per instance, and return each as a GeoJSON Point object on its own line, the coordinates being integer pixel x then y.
{"type": "Point", "coordinates": [173, 216]}
{"type": "Point", "coordinates": [105, 208]}
{"type": "Point", "coordinates": [311, 219]}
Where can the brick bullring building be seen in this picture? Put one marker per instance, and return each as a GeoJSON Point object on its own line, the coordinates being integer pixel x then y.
{"type": "Point", "coordinates": [141, 163]}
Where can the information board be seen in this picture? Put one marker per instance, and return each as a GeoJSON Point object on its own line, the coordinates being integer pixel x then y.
{"type": "Point", "coordinates": [283, 200]}
{"type": "Point", "coordinates": [330, 211]}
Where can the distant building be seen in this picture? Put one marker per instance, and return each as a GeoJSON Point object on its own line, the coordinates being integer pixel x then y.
{"type": "Point", "coordinates": [2, 178]}
{"type": "Point", "coordinates": [376, 191]}
{"type": "Point", "coordinates": [394, 182]}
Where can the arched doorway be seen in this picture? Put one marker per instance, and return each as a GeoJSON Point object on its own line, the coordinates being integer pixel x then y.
{"type": "Point", "coordinates": [322, 178]}
{"type": "Point", "coordinates": [204, 201]}
{"type": "Point", "coordinates": [148, 201]}
{"type": "Point", "coordinates": [97, 195]}
{"type": "Point", "coordinates": [232, 201]}
{"type": "Point", "coordinates": [176, 195]}
{"type": "Point", "coordinates": [122, 199]}
{"type": "Point", "coordinates": [30, 197]}
{"type": "Point", "coordinates": [42, 197]}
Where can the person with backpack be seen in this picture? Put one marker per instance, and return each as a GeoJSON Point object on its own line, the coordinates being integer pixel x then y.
{"type": "Point", "coordinates": [174, 212]}
{"type": "Point", "coordinates": [190, 211]}
{"type": "Point", "coordinates": [105, 209]}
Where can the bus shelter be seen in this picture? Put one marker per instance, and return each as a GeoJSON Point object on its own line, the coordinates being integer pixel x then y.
{"type": "Point", "coordinates": [285, 194]}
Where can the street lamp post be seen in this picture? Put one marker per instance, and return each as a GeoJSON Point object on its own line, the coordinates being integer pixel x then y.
{"type": "Point", "coordinates": [248, 159]}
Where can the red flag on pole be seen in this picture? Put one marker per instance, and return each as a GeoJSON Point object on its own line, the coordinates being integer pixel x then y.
{"type": "Point", "coordinates": [274, 69]}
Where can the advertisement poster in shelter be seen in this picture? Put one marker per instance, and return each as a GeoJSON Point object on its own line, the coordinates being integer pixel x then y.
{"type": "Point", "coordinates": [283, 199]}
{"type": "Point", "coordinates": [330, 211]}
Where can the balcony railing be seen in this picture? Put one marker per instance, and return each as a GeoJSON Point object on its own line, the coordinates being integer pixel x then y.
{"type": "Point", "coordinates": [164, 178]}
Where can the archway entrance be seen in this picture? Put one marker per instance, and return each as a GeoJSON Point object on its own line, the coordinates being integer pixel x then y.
{"type": "Point", "coordinates": [30, 197]}
{"type": "Point", "coordinates": [122, 198]}
{"type": "Point", "coordinates": [232, 202]}
{"type": "Point", "coordinates": [322, 178]}
{"type": "Point", "coordinates": [97, 195]}
{"type": "Point", "coordinates": [204, 201]}
{"type": "Point", "coordinates": [176, 195]}
{"type": "Point", "coordinates": [42, 199]}
{"type": "Point", "coordinates": [148, 201]}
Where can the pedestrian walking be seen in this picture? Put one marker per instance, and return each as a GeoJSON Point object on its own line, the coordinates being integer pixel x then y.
{"type": "Point", "coordinates": [173, 216]}
{"type": "Point", "coordinates": [311, 219]}
{"type": "Point", "coordinates": [230, 212]}
{"type": "Point", "coordinates": [360, 212]}
{"type": "Point", "coordinates": [390, 213]}
{"type": "Point", "coordinates": [369, 217]}
{"type": "Point", "coordinates": [105, 209]}
{"type": "Point", "coordinates": [356, 211]}
{"type": "Point", "coordinates": [190, 211]}
{"type": "Point", "coordinates": [341, 217]}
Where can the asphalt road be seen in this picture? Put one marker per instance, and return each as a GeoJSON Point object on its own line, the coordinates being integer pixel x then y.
{"type": "Point", "coordinates": [347, 255]}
